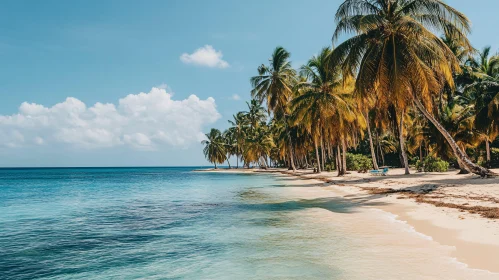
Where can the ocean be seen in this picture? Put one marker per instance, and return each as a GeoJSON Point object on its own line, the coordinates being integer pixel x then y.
{"type": "Point", "coordinates": [174, 223]}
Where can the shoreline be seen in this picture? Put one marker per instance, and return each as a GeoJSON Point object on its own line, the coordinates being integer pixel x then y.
{"type": "Point", "coordinates": [458, 211]}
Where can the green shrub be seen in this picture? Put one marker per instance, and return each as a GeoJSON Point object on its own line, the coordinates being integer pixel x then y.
{"type": "Point", "coordinates": [494, 157]}
{"type": "Point", "coordinates": [431, 164]}
{"type": "Point", "coordinates": [358, 162]}
{"type": "Point", "coordinates": [329, 166]}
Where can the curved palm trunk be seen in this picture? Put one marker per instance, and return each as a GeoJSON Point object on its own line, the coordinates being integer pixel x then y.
{"type": "Point", "coordinates": [216, 166]}
{"type": "Point", "coordinates": [317, 156]}
{"type": "Point", "coordinates": [371, 145]}
{"type": "Point", "coordinates": [462, 167]}
{"type": "Point", "coordinates": [402, 144]}
{"type": "Point", "coordinates": [460, 155]}
{"type": "Point", "coordinates": [228, 162]}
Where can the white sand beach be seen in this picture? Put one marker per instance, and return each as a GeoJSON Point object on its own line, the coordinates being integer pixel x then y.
{"type": "Point", "coordinates": [440, 222]}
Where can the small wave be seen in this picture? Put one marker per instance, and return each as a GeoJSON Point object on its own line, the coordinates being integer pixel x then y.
{"type": "Point", "coordinates": [394, 218]}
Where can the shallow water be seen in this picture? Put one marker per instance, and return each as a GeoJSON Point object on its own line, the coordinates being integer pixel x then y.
{"type": "Point", "coordinates": [172, 223]}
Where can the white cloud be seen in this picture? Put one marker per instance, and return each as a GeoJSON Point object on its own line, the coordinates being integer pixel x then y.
{"type": "Point", "coordinates": [235, 97]}
{"type": "Point", "coordinates": [205, 56]}
{"type": "Point", "coordinates": [143, 121]}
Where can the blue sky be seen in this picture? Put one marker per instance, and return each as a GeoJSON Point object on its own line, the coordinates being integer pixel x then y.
{"type": "Point", "coordinates": [102, 51]}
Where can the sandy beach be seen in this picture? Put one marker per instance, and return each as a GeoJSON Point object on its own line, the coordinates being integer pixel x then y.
{"type": "Point", "coordinates": [457, 212]}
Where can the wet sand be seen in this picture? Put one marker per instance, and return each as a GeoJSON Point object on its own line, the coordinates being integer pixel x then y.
{"type": "Point", "coordinates": [447, 242]}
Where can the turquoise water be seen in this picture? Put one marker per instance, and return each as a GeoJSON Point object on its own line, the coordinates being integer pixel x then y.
{"type": "Point", "coordinates": [149, 223]}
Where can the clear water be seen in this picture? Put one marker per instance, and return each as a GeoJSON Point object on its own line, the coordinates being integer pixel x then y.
{"type": "Point", "coordinates": [172, 223]}
{"type": "Point", "coordinates": [152, 223]}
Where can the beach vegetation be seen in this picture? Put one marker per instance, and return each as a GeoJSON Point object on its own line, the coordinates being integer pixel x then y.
{"type": "Point", "coordinates": [432, 164]}
{"type": "Point", "coordinates": [405, 87]}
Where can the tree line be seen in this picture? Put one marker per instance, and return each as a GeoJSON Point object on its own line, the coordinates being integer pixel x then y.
{"type": "Point", "coordinates": [408, 82]}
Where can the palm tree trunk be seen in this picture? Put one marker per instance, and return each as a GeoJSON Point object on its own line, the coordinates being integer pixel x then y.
{"type": "Point", "coordinates": [323, 153]}
{"type": "Point", "coordinates": [402, 144]}
{"type": "Point", "coordinates": [373, 153]}
{"type": "Point", "coordinates": [382, 157]}
{"type": "Point", "coordinates": [228, 162]}
{"type": "Point", "coordinates": [317, 156]}
{"type": "Point", "coordinates": [462, 167]}
{"type": "Point", "coordinates": [487, 148]}
{"type": "Point", "coordinates": [338, 160]}
{"type": "Point", "coordinates": [264, 163]}
{"type": "Point", "coordinates": [420, 153]}
{"type": "Point", "coordinates": [237, 161]}
{"type": "Point", "coordinates": [291, 160]}
{"type": "Point", "coordinates": [460, 155]}
{"type": "Point", "coordinates": [344, 156]}
{"type": "Point", "coordinates": [216, 166]}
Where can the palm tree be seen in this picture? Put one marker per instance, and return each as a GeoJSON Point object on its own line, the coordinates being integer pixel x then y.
{"type": "Point", "coordinates": [321, 97]}
{"type": "Point", "coordinates": [258, 146]}
{"type": "Point", "coordinates": [238, 131]}
{"type": "Point", "coordinates": [273, 84]}
{"type": "Point", "coordinates": [230, 142]}
{"type": "Point", "coordinates": [395, 56]}
{"type": "Point", "coordinates": [214, 149]}
{"type": "Point", "coordinates": [484, 70]}
{"type": "Point", "coordinates": [255, 114]}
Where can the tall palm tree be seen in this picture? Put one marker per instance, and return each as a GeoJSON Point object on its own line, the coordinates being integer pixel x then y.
{"type": "Point", "coordinates": [395, 55]}
{"type": "Point", "coordinates": [485, 90]}
{"type": "Point", "coordinates": [214, 149]}
{"type": "Point", "coordinates": [273, 84]}
{"type": "Point", "coordinates": [321, 97]}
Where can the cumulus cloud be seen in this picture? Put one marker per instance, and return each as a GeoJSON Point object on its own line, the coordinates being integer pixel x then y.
{"type": "Point", "coordinates": [205, 56]}
{"type": "Point", "coordinates": [235, 97]}
{"type": "Point", "coordinates": [143, 121]}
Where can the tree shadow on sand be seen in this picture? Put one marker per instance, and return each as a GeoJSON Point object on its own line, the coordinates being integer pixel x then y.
{"type": "Point", "coordinates": [333, 204]}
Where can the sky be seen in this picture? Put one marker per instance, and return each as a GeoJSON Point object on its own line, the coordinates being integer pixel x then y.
{"type": "Point", "coordinates": [137, 83]}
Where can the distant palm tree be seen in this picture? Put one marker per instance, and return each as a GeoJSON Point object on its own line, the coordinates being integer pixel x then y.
{"type": "Point", "coordinates": [258, 146]}
{"type": "Point", "coordinates": [273, 85]}
{"type": "Point", "coordinates": [255, 114]}
{"type": "Point", "coordinates": [238, 130]}
{"type": "Point", "coordinates": [321, 97]}
{"type": "Point", "coordinates": [395, 55]}
{"type": "Point", "coordinates": [214, 149]}
{"type": "Point", "coordinates": [230, 142]}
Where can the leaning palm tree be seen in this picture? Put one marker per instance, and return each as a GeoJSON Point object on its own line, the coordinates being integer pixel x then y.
{"type": "Point", "coordinates": [214, 149]}
{"type": "Point", "coordinates": [273, 85]}
{"type": "Point", "coordinates": [395, 56]}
